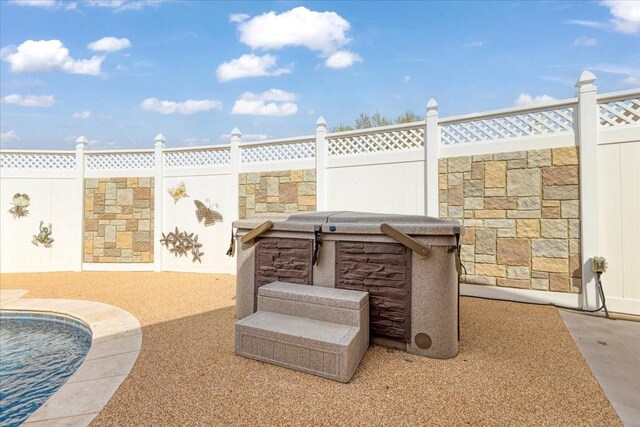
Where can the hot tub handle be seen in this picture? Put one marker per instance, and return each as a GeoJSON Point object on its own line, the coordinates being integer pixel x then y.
{"type": "Point", "coordinates": [250, 236]}
{"type": "Point", "coordinates": [405, 240]}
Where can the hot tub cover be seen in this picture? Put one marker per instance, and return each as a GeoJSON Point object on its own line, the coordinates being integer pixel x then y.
{"type": "Point", "coordinates": [350, 222]}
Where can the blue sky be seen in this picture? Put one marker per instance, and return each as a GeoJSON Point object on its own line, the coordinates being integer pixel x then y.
{"type": "Point", "coordinates": [120, 71]}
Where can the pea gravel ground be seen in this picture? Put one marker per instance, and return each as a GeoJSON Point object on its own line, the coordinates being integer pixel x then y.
{"type": "Point", "coordinates": [517, 365]}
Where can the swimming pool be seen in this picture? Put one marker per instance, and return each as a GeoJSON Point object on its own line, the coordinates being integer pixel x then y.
{"type": "Point", "coordinates": [38, 352]}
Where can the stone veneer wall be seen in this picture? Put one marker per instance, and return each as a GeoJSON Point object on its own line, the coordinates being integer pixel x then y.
{"type": "Point", "coordinates": [118, 220]}
{"type": "Point", "coordinates": [282, 191]}
{"type": "Point", "coordinates": [521, 213]}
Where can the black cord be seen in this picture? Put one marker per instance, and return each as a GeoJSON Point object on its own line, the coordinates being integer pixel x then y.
{"type": "Point", "coordinates": [600, 291]}
{"type": "Point", "coordinates": [598, 287]}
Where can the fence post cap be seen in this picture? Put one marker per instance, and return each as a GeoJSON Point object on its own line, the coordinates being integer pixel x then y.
{"type": "Point", "coordinates": [321, 121]}
{"type": "Point", "coordinates": [160, 140]}
{"type": "Point", "coordinates": [587, 77]}
{"type": "Point", "coordinates": [432, 104]}
{"type": "Point", "coordinates": [236, 132]}
{"type": "Point", "coordinates": [81, 142]}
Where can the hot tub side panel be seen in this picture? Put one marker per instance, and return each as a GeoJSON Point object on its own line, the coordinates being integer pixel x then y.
{"type": "Point", "coordinates": [435, 301]}
{"type": "Point", "coordinates": [383, 270]}
{"type": "Point", "coordinates": [282, 260]}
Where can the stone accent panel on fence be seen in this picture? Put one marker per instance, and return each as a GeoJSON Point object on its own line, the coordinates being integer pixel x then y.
{"type": "Point", "coordinates": [118, 220]}
{"type": "Point", "coordinates": [521, 212]}
{"type": "Point", "coordinates": [273, 192]}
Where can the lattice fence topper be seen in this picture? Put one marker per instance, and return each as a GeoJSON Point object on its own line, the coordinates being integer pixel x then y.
{"type": "Point", "coordinates": [181, 243]}
{"type": "Point", "coordinates": [621, 112]}
{"type": "Point", "coordinates": [394, 140]}
{"type": "Point", "coordinates": [20, 203]}
{"type": "Point", "coordinates": [298, 150]}
{"type": "Point", "coordinates": [120, 160]}
{"type": "Point", "coordinates": [512, 126]}
{"type": "Point", "coordinates": [37, 161]}
{"type": "Point", "coordinates": [190, 158]}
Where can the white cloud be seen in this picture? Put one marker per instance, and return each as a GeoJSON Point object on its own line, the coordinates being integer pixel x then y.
{"type": "Point", "coordinates": [238, 17]}
{"type": "Point", "coordinates": [109, 44]}
{"type": "Point", "coordinates": [585, 41]}
{"type": "Point", "coordinates": [190, 106]}
{"type": "Point", "coordinates": [318, 31]}
{"type": "Point", "coordinates": [45, 4]}
{"type": "Point", "coordinates": [614, 69]}
{"type": "Point", "coordinates": [586, 23]}
{"type": "Point", "coordinates": [526, 99]}
{"type": "Point", "coordinates": [259, 104]}
{"type": "Point", "coordinates": [342, 59]}
{"type": "Point", "coordinates": [250, 66]}
{"type": "Point", "coordinates": [626, 15]}
{"type": "Point", "coordinates": [30, 100]}
{"type": "Point", "coordinates": [116, 5]}
{"type": "Point", "coordinates": [81, 115]}
{"type": "Point", "coordinates": [475, 43]}
{"type": "Point", "coordinates": [407, 79]}
{"type": "Point", "coordinates": [47, 55]}
{"type": "Point", "coordinates": [631, 75]}
{"type": "Point", "coordinates": [123, 5]}
{"type": "Point", "coordinates": [631, 81]}
{"type": "Point", "coordinates": [10, 136]}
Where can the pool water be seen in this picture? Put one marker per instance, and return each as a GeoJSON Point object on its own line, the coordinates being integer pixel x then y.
{"type": "Point", "coordinates": [38, 352]}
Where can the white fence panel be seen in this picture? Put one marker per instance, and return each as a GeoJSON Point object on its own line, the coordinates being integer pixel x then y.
{"type": "Point", "coordinates": [52, 201]}
{"type": "Point", "coordinates": [619, 183]}
{"type": "Point", "coordinates": [382, 188]}
{"type": "Point", "coordinates": [182, 214]}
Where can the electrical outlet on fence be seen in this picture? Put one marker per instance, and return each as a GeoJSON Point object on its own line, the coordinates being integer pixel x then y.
{"type": "Point", "coordinates": [598, 264]}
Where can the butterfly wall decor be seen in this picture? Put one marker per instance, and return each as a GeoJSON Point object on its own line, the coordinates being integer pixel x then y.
{"type": "Point", "coordinates": [178, 192]}
{"type": "Point", "coordinates": [206, 213]}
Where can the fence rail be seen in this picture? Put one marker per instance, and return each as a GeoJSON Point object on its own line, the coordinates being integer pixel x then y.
{"type": "Point", "coordinates": [620, 108]}
{"type": "Point", "coordinates": [202, 157]}
{"type": "Point", "coordinates": [299, 148]}
{"type": "Point", "coordinates": [550, 118]}
{"type": "Point", "coordinates": [403, 137]}
{"type": "Point", "coordinates": [39, 160]}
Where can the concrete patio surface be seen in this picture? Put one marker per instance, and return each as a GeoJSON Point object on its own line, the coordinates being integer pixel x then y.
{"type": "Point", "coordinates": [612, 350]}
{"type": "Point", "coordinates": [518, 365]}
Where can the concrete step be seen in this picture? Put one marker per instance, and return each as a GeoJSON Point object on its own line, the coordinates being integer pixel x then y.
{"type": "Point", "coordinates": [318, 295]}
{"type": "Point", "coordinates": [315, 302]}
{"type": "Point", "coordinates": [321, 331]}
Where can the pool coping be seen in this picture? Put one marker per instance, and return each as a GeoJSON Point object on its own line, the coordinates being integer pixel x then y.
{"type": "Point", "coordinates": [115, 346]}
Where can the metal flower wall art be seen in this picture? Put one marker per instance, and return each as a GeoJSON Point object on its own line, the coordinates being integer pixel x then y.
{"type": "Point", "coordinates": [178, 192]}
{"type": "Point", "coordinates": [206, 213]}
{"type": "Point", "coordinates": [182, 243]}
{"type": "Point", "coordinates": [20, 203]}
{"type": "Point", "coordinates": [44, 236]}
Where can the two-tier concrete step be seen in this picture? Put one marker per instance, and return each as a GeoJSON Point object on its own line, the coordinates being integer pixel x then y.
{"type": "Point", "coordinates": [318, 330]}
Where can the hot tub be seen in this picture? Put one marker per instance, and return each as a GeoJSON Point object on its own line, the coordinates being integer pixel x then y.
{"type": "Point", "coordinates": [409, 264]}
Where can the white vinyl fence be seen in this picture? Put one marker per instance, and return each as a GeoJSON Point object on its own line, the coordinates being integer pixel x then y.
{"type": "Point", "coordinates": [390, 169]}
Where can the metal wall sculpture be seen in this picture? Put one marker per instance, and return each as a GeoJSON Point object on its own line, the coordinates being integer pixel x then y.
{"type": "Point", "coordinates": [20, 203]}
{"type": "Point", "coordinates": [178, 192]}
{"type": "Point", "coordinates": [206, 213]}
{"type": "Point", "coordinates": [182, 243]}
{"type": "Point", "coordinates": [44, 236]}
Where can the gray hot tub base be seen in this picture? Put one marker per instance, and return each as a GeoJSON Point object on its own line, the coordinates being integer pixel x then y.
{"type": "Point", "coordinates": [320, 331]}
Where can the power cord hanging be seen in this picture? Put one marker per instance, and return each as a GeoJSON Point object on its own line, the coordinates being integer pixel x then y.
{"type": "Point", "coordinates": [598, 288]}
